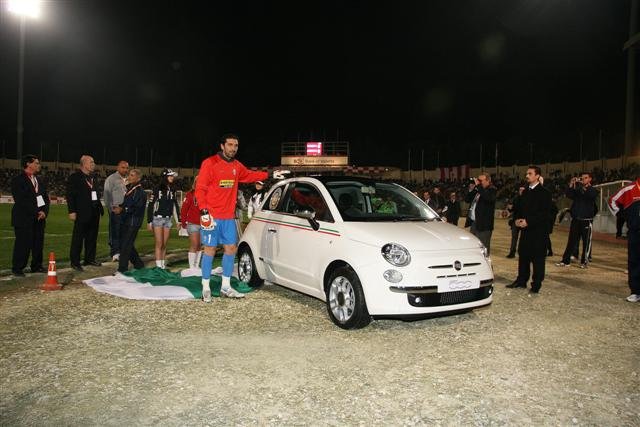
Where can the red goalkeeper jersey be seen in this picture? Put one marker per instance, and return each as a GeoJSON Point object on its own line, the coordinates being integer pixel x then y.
{"type": "Point", "coordinates": [217, 185]}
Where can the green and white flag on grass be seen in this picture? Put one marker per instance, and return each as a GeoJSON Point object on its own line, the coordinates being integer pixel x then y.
{"type": "Point", "coordinates": [159, 284]}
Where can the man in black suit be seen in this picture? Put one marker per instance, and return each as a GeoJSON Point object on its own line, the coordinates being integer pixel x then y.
{"type": "Point", "coordinates": [532, 217]}
{"type": "Point", "coordinates": [85, 210]}
{"type": "Point", "coordinates": [28, 216]}
{"type": "Point", "coordinates": [482, 200]}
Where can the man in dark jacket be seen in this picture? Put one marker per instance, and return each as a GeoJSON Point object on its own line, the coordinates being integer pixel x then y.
{"type": "Point", "coordinates": [28, 216]}
{"type": "Point", "coordinates": [582, 210]}
{"type": "Point", "coordinates": [85, 210]}
{"type": "Point", "coordinates": [482, 198]}
{"type": "Point", "coordinates": [532, 217]}
{"type": "Point", "coordinates": [132, 215]}
{"type": "Point", "coordinates": [452, 209]}
{"type": "Point", "coordinates": [438, 200]}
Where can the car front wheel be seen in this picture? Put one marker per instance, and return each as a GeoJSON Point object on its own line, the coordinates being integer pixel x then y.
{"type": "Point", "coordinates": [247, 268]}
{"type": "Point", "coordinates": [345, 299]}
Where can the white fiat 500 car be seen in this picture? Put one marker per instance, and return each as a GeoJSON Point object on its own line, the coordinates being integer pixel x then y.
{"type": "Point", "coordinates": [367, 248]}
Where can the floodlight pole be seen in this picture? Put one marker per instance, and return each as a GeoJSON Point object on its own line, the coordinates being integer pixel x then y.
{"type": "Point", "coordinates": [19, 127]}
{"type": "Point", "coordinates": [631, 46]}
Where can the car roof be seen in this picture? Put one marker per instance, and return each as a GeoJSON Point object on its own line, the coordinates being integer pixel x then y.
{"type": "Point", "coordinates": [327, 179]}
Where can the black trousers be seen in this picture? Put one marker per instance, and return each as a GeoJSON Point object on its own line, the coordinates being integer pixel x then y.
{"type": "Point", "coordinates": [483, 236]}
{"type": "Point", "coordinates": [524, 270]}
{"type": "Point", "coordinates": [620, 220]}
{"type": "Point", "coordinates": [84, 233]}
{"type": "Point", "coordinates": [29, 240]}
{"type": "Point", "coordinates": [128, 250]}
{"type": "Point", "coordinates": [633, 260]}
{"type": "Point", "coordinates": [579, 229]}
{"type": "Point", "coordinates": [114, 233]}
{"type": "Point", "coordinates": [515, 232]}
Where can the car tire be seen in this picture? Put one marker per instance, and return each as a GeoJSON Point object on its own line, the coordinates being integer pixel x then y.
{"type": "Point", "coordinates": [247, 271]}
{"type": "Point", "coordinates": [346, 304]}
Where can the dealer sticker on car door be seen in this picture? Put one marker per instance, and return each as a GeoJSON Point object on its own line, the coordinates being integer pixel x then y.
{"type": "Point", "coordinates": [452, 284]}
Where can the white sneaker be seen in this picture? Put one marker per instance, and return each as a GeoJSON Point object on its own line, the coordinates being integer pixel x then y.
{"type": "Point", "coordinates": [633, 298]}
{"type": "Point", "coordinates": [115, 258]}
{"type": "Point", "coordinates": [206, 295]}
{"type": "Point", "coordinates": [561, 264]}
{"type": "Point", "coordinates": [231, 293]}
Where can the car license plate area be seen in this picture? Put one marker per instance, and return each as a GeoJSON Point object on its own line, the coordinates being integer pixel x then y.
{"type": "Point", "coordinates": [454, 284]}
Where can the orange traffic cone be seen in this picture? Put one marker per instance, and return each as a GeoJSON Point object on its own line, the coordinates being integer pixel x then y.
{"type": "Point", "coordinates": [51, 284]}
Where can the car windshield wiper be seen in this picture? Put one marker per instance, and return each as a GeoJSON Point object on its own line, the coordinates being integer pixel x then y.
{"type": "Point", "coordinates": [412, 218]}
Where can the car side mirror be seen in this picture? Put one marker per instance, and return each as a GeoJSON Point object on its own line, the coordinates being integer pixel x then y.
{"type": "Point", "coordinates": [310, 216]}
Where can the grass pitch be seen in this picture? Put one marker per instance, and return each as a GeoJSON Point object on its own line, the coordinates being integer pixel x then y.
{"type": "Point", "coordinates": [58, 238]}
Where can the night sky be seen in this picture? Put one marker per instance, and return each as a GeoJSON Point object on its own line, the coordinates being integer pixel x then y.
{"type": "Point", "coordinates": [442, 76]}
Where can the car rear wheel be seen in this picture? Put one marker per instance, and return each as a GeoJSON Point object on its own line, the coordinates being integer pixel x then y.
{"type": "Point", "coordinates": [247, 268]}
{"type": "Point", "coordinates": [345, 299]}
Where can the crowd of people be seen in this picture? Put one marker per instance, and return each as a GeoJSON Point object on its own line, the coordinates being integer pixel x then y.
{"type": "Point", "coordinates": [209, 211]}
{"type": "Point", "coordinates": [57, 180]}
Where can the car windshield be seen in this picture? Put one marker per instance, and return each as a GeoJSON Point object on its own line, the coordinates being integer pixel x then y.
{"type": "Point", "coordinates": [377, 201]}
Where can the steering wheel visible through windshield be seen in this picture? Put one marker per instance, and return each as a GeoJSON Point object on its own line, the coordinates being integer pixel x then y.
{"type": "Point", "coordinates": [377, 201]}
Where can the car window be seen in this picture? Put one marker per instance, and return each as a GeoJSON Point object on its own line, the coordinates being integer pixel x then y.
{"type": "Point", "coordinates": [273, 201]}
{"type": "Point", "coordinates": [302, 196]}
{"type": "Point", "coordinates": [377, 201]}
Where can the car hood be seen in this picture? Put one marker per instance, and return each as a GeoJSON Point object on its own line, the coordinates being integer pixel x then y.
{"type": "Point", "coordinates": [415, 236]}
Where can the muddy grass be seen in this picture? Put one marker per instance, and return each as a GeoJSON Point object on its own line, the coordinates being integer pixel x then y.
{"type": "Point", "coordinates": [569, 356]}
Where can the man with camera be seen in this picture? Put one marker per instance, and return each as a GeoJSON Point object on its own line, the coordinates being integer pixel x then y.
{"type": "Point", "coordinates": [583, 209]}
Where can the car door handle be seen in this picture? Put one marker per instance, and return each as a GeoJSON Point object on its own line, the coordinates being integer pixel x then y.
{"type": "Point", "coordinates": [272, 230]}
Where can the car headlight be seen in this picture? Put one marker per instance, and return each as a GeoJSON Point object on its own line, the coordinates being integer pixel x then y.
{"type": "Point", "coordinates": [396, 254]}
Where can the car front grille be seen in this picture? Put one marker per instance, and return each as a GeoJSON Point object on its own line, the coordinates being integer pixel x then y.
{"type": "Point", "coordinates": [449, 298]}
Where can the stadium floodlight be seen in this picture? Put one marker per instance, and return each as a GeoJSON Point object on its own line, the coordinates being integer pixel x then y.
{"type": "Point", "coordinates": [24, 9]}
{"type": "Point", "coordinates": [27, 8]}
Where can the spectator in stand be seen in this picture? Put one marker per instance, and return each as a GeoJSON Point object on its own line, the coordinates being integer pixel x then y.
{"type": "Point", "coordinates": [131, 211]}
{"type": "Point", "coordinates": [582, 213]}
{"type": "Point", "coordinates": [85, 210]}
{"type": "Point", "coordinates": [162, 208]}
{"type": "Point", "coordinates": [114, 189]}
{"type": "Point", "coordinates": [426, 196]}
{"type": "Point", "coordinates": [482, 200]}
{"type": "Point", "coordinates": [452, 209]}
{"type": "Point", "coordinates": [190, 220]}
{"type": "Point", "coordinates": [28, 216]}
{"type": "Point", "coordinates": [515, 231]}
{"type": "Point", "coordinates": [627, 199]}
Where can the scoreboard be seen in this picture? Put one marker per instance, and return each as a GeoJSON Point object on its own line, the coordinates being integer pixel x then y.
{"type": "Point", "coordinates": [314, 154]}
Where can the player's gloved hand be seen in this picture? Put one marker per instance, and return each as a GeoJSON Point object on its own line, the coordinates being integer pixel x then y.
{"type": "Point", "coordinates": [281, 174]}
{"type": "Point", "coordinates": [206, 222]}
